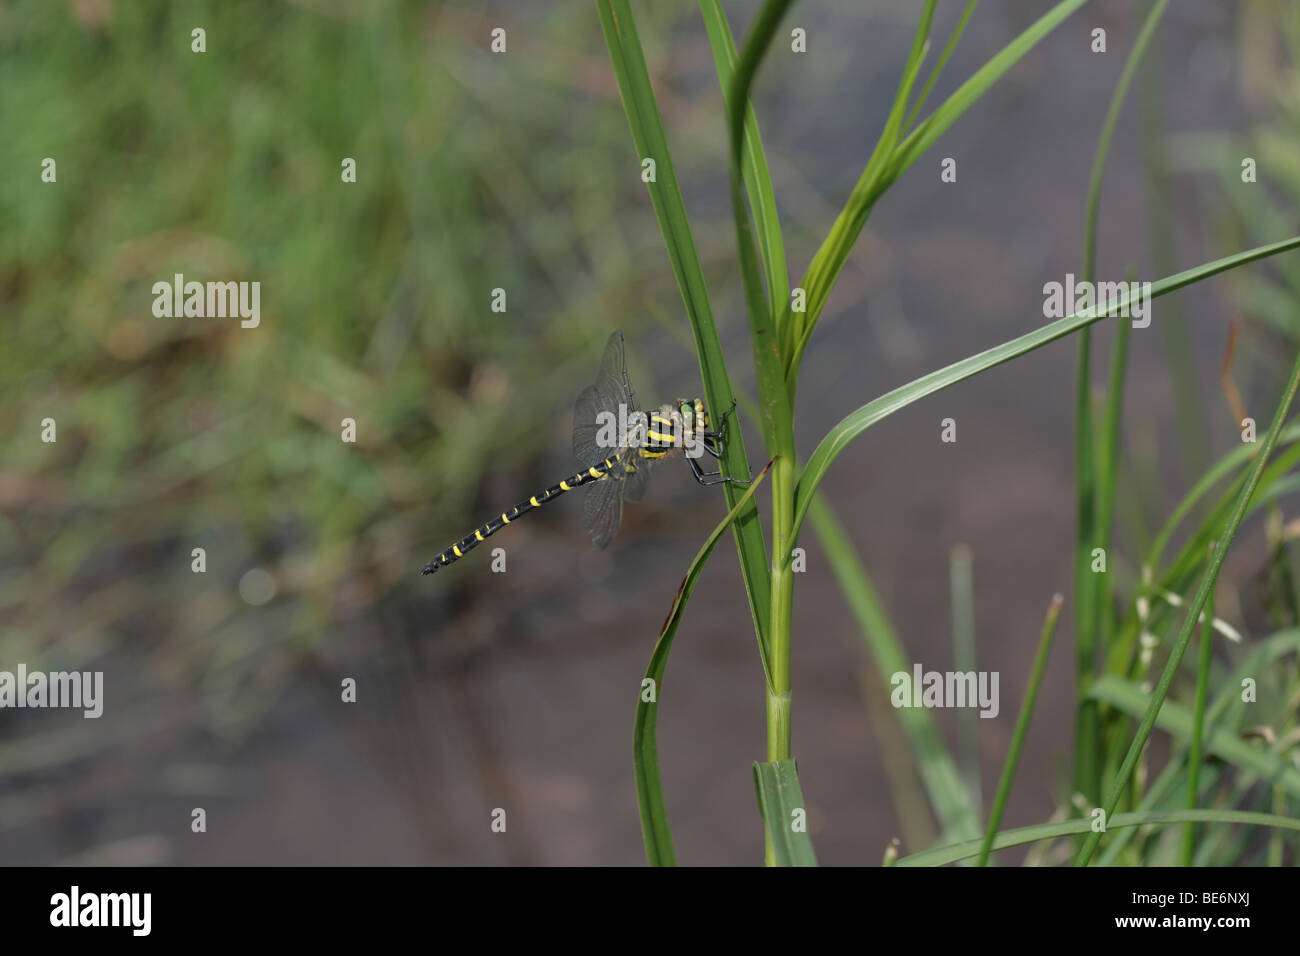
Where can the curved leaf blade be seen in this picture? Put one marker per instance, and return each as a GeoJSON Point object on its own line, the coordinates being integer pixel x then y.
{"type": "Point", "coordinates": [855, 423]}
{"type": "Point", "coordinates": [1052, 831]}
{"type": "Point", "coordinates": [758, 181]}
{"type": "Point", "coordinates": [645, 746]}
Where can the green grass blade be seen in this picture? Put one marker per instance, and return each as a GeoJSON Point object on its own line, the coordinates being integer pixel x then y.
{"type": "Point", "coordinates": [1108, 469]}
{"type": "Point", "coordinates": [1095, 507]}
{"type": "Point", "coordinates": [758, 181]}
{"type": "Point", "coordinates": [1053, 831]}
{"type": "Point", "coordinates": [1178, 720]}
{"type": "Point", "coordinates": [777, 417]}
{"type": "Point", "coordinates": [648, 134]}
{"type": "Point", "coordinates": [781, 804]}
{"type": "Point", "coordinates": [952, 801]}
{"type": "Point", "coordinates": [1216, 473]}
{"type": "Point", "coordinates": [645, 747]}
{"type": "Point", "coordinates": [854, 424]}
{"type": "Point", "coordinates": [1108, 131]}
{"type": "Point", "coordinates": [1198, 726]}
{"type": "Point", "coordinates": [961, 587]}
{"type": "Point", "coordinates": [1022, 728]}
{"type": "Point", "coordinates": [1197, 605]}
{"type": "Point", "coordinates": [1087, 766]}
{"type": "Point", "coordinates": [897, 121]}
{"type": "Point", "coordinates": [885, 166]}
{"type": "Point", "coordinates": [942, 62]}
{"type": "Point", "coordinates": [834, 251]}
{"type": "Point", "coordinates": [937, 123]}
{"type": "Point", "coordinates": [1095, 491]}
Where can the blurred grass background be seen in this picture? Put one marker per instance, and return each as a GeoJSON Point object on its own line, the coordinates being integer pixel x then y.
{"type": "Point", "coordinates": [183, 433]}
{"type": "Point", "coordinates": [475, 172]}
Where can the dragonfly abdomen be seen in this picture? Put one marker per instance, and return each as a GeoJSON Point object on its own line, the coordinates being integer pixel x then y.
{"type": "Point", "coordinates": [476, 537]}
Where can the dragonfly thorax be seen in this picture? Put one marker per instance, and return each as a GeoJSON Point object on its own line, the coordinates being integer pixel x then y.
{"type": "Point", "coordinates": [671, 427]}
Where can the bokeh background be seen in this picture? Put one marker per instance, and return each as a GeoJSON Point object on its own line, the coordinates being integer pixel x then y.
{"type": "Point", "coordinates": [477, 171]}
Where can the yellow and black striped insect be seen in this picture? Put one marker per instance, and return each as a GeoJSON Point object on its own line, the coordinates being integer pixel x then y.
{"type": "Point", "coordinates": [617, 444]}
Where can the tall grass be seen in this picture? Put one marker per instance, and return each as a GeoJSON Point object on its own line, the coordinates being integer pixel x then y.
{"type": "Point", "coordinates": [1107, 747]}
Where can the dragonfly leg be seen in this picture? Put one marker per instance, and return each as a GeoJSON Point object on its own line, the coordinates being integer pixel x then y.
{"type": "Point", "coordinates": [720, 436]}
{"type": "Point", "coordinates": [713, 477]}
{"type": "Point", "coordinates": [713, 446]}
{"type": "Point", "coordinates": [715, 443]}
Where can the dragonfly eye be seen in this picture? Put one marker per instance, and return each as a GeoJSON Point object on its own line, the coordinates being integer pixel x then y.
{"type": "Point", "coordinates": [687, 414]}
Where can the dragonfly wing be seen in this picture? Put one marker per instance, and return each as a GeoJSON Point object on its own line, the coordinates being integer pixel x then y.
{"type": "Point", "coordinates": [602, 510]}
{"type": "Point", "coordinates": [635, 480]}
{"type": "Point", "coordinates": [597, 407]}
{"type": "Point", "coordinates": [586, 426]}
{"type": "Point", "coordinates": [601, 410]}
{"type": "Point", "coordinates": [612, 378]}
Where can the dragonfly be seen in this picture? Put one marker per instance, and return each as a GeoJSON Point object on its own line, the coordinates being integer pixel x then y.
{"type": "Point", "coordinates": [617, 444]}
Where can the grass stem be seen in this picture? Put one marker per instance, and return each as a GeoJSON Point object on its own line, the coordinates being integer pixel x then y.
{"type": "Point", "coordinates": [1198, 727]}
{"type": "Point", "coordinates": [1022, 728]}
